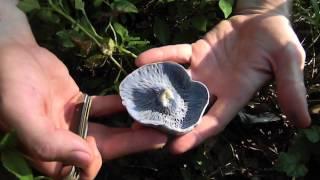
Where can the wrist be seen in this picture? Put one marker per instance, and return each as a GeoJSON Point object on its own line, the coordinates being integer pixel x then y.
{"type": "Point", "coordinates": [279, 7]}
{"type": "Point", "coordinates": [14, 26]}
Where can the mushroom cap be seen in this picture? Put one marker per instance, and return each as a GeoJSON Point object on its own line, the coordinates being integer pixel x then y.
{"type": "Point", "coordinates": [163, 95]}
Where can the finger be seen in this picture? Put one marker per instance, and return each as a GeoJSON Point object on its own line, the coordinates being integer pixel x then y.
{"type": "Point", "coordinates": [44, 142]}
{"type": "Point", "coordinates": [50, 169]}
{"type": "Point", "coordinates": [92, 171]}
{"type": "Point", "coordinates": [181, 53]}
{"type": "Point", "coordinates": [113, 145]}
{"type": "Point", "coordinates": [60, 145]}
{"type": "Point", "coordinates": [106, 105]}
{"type": "Point", "coordinates": [212, 123]}
{"type": "Point", "coordinates": [57, 171]}
{"type": "Point", "coordinates": [290, 85]}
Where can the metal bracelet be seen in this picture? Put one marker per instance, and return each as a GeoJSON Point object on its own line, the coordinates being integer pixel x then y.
{"type": "Point", "coordinates": [82, 132]}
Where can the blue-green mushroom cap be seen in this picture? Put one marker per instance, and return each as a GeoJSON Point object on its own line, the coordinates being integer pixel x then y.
{"type": "Point", "coordinates": [163, 95]}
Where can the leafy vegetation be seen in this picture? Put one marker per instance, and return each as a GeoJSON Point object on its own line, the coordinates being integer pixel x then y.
{"type": "Point", "coordinates": [13, 160]}
{"type": "Point", "coordinates": [98, 40]}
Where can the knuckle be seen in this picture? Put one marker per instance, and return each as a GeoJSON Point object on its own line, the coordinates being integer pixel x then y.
{"type": "Point", "coordinates": [296, 53]}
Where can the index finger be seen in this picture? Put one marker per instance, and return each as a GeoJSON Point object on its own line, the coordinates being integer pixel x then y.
{"type": "Point", "coordinates": [180, 53]}
{"type": "Point", "coordinates": [106, 105]}
{"type": "Point", "coordinates": [290, 84]}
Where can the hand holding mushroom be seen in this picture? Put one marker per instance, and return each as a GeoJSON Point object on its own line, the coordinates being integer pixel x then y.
{"type": "Point", "coordinates": [235, 59]}
{"type": "Point", "coordinates": [38, 100]}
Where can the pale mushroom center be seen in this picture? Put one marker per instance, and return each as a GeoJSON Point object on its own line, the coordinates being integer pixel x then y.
{"type": "Point", "coordinates": [165, 97]}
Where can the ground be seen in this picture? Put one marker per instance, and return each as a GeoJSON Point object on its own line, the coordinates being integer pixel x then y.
{"type": "Point", "coordinates": [246, 149]}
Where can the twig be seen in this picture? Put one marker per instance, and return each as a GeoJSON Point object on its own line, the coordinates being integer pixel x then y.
{"type": "Point", "coordinates": [118, 65]}
{"type": "Point", "coordinates": [58, 10]}
{"type": "Point", "coordinates": [127, 52]}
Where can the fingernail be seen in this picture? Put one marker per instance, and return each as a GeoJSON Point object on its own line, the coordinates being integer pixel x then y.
{"type": "Point", "coordinates": [161, 141]}
{"type": "Point", "coordinates": [160, 146]}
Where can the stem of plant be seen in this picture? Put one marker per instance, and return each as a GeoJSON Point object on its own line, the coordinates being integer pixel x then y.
{"type": "Point", "coordinates": [118, 65]}
{"type": "Point", "coordinates": [113, 32]}
{"type": "Point", "coordinates": [118, 76]}
{"type": "Point", "coordinates": [91, 27]}
{"type": "Point", "coordinates": [127, 52]}
{"type": "Point", "coordinates": [59, 11]}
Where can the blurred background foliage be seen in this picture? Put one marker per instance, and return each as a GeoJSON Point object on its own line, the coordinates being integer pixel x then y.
{"type": "Point", "coordinates": [99, 40]}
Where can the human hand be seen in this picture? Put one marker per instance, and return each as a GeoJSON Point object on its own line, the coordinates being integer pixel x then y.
{"type": "Point", "coordinates": [38, 100]}
{"type": "Point", "coordinates": [234, 60]}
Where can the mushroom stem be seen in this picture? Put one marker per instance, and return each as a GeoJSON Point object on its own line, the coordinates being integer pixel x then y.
{"type": "Point", "coordinates": [165, 97]}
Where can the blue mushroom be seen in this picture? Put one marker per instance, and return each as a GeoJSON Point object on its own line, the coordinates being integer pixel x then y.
{"type": "Point", "coordinates": [163, 95]}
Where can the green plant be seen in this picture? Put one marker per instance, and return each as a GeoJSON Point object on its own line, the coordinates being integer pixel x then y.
{"type": "Point", "coordinates": [95, 34]}
{"type": "Point", "coordinates": [226, 7]}
{"type": "Point", "coordinates": [98, 40]}
{"type": "Point", "coordinates": [109, 33]}
{"type": "Point", "coordinates": [13, 160]}
{"type": "Point", "coordinates": [305, 145]}
{"type": "Point", "coordinates": [302, 152]}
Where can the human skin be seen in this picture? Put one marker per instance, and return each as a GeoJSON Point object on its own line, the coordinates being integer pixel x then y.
{"type": "Point", "coordinates": [235, 59]}
{"type": "Point", "coordinates": [38, 100]}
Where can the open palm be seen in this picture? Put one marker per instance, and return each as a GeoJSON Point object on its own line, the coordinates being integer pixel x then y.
{"type": "Point", "coordinates": [234, 60]}
{"type": "Point", "coordinates": [39, 100]}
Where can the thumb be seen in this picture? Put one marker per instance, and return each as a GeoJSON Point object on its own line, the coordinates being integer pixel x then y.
{"type": "Point", "coordinates": [290, 84]}
{"type": "Point", "coordinates": [92, 171]}
{"type": "Point", "coordinates": [63, 146]}
{"type": "Point", "coordinates": [212, 123]}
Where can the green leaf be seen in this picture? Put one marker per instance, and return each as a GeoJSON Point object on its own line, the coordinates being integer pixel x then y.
{"type": "Point", "coordinates": [28, 5]}
{"type": "Point", "coordinates": [286, 160]}
{"type": "Point", "coordinates": [48, 16]}
{"type": "Point", "coordinates": [300, 170]}
{"type": "Point", "coordinates": [92, 62]}
{"type": "Point", "coordinates": [86, 24]}
{"type": "Point", "coordinates": [8, 141]}
{"type": "Point", "coordinates": [312, 134]}
{"type": "Point", "coordinates": [138, 43]}
{"type": "Point", "coordinates": [79, 4]}
{"type": "Point", "coordinates": [97, 3]}
{"type": "Point", "coordinates": [161, 30]}
{"type": "Point", "coordinates": [132, 38]}
{"type": "Point", "coordinates": [200, 23]}
{"type": "Point", "coordinates": [291, 164]}
{"type": "Point", "coordinates": [124, 6]}
{"type": "Point", "coordinates": [226, 7]}
{"type": "Point", "coordinates": [15, 163]}
{"type": "Point", "coordinates": [121, 31]}
{"type": "Point", "coordinates": [65, 38]}
{"type": "Point", "coordinates": [316, 9]}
